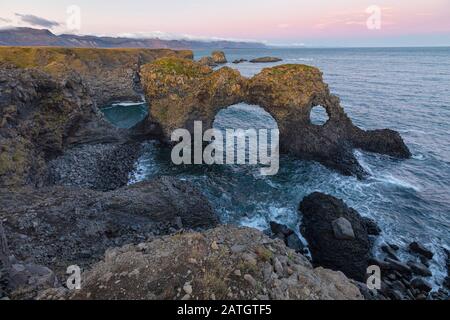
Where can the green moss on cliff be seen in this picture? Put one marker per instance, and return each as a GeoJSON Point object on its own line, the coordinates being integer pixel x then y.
{"type": "Point", "coordinates": [52, 59]}
{"type": "Point", "coordinates": [178, 66]}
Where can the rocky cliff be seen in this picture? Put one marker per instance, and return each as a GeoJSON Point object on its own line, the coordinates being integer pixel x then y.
{"type": "Point", "coordinates": [111, 75]}
{"type": "Point", "coordinates": [49, 100]}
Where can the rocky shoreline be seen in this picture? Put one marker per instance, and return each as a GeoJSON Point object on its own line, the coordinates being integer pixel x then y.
{"type": "Point", "coordinates": [64, 197]}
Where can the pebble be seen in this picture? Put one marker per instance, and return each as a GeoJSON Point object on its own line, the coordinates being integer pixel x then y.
{"type": "Point", "coordinates": [187, 288]}
{"type": "Point", "coordinates": [250, 280]}
{"type": "Point", "coordinates": [214, 246]}
{"type": "Point", "coordinates": [278, 266]}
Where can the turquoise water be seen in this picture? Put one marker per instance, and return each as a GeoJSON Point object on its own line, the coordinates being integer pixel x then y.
{"type": "Point", "coordinates": [405, 89]}
{"type": "Point", "coordinates": [125, 115]}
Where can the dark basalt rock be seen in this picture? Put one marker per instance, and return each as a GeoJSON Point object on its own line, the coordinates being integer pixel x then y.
{"type": "Point", "coordinates": [349, 256]}
{"type": "Point", "coordinates": [77, 225]}
{"type": "Point", "coordinates": [280, 229]}
{"type": "Point", "coordinates": [421, 250]}
{"type": "Point", "coordinates": [40, 117]}
{"type": "Point", "coordinates": [265, 60]}
{"type": "Point", "coordinates": [237, 61]}
{"type": "Point", "coordinates": [372, 228]}
{"type": "Point", "coordinates": [421, 284]}
{"type": "Point", "coordinates": [288, 236]}
{"type": "Point", "coordinates": [419, 269]}
{"type": "Point", "coordinates": [390, 252]}
{"type": "Point", "coordinates": [399, 266]}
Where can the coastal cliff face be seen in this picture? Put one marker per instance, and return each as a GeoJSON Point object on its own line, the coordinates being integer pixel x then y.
{"type": "Point", "coordinates": [110, 74]}
{"type": "Point", "coordinates": [39, 117]}
{"type": "Point", "coordinates": [181, 92]}
{"type": "Point", "coordinates": [49, 100]}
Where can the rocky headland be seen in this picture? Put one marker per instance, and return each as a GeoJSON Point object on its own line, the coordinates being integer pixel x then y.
{"type": "Point", "coordinates": [64, 197]}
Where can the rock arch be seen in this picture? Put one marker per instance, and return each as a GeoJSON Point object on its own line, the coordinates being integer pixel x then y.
{"type": "Point", "coordinates": [182, 91]}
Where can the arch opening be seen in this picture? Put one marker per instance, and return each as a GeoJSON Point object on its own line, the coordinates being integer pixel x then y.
{"type": "Point", "coordinates": [319, 115]}
{"type": "Point", "coordinates": [245, 119]}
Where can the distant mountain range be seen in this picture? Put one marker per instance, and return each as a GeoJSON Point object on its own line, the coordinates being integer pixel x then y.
{"type": "Point", "coordinates": [44, 37]}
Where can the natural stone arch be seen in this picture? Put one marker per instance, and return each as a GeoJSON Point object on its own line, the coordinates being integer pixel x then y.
{"type": "Point", "coordinates": [182, 91]}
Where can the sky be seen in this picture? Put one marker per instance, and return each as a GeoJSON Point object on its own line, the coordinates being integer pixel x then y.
{"type": "Point", "coordinates": [315, 23]}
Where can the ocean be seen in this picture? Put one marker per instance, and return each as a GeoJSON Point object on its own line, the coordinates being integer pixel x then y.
{"type": "Point", "coordinates": [404, 89]}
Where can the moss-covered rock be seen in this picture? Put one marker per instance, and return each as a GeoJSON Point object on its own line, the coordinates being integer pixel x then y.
{"type": "Point", "coordinates": [181, 91]}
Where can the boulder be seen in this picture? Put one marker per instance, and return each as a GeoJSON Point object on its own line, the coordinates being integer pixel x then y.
{"type": "Point", "coordinates": [421, 250]}
{"type": "Point", "coordinates": [294, 242]}
{"type": "Point", "coordinates": [237, 61]}
{"type": "Point", "coordinates": [287, 235]}
{"type": "Point", "coordinates": [421, 284]}
{"type": "Point", "coordinates": [219, 57]}
{"type": "Point", "coordinates": [265, 60]}
{"type": "Point", "coordinates": [280, 229]}
{"type": "Point", "coordinates": [350, 256]}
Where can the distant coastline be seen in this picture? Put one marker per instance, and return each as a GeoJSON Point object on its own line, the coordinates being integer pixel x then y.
{"type": "Point", "coordinates": [44, 37]}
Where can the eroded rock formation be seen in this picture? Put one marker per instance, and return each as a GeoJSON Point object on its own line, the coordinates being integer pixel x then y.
{"type": "Point", "coordinates": [182, 91]}
{"type": "Point", "coordinates": [320, 215]}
